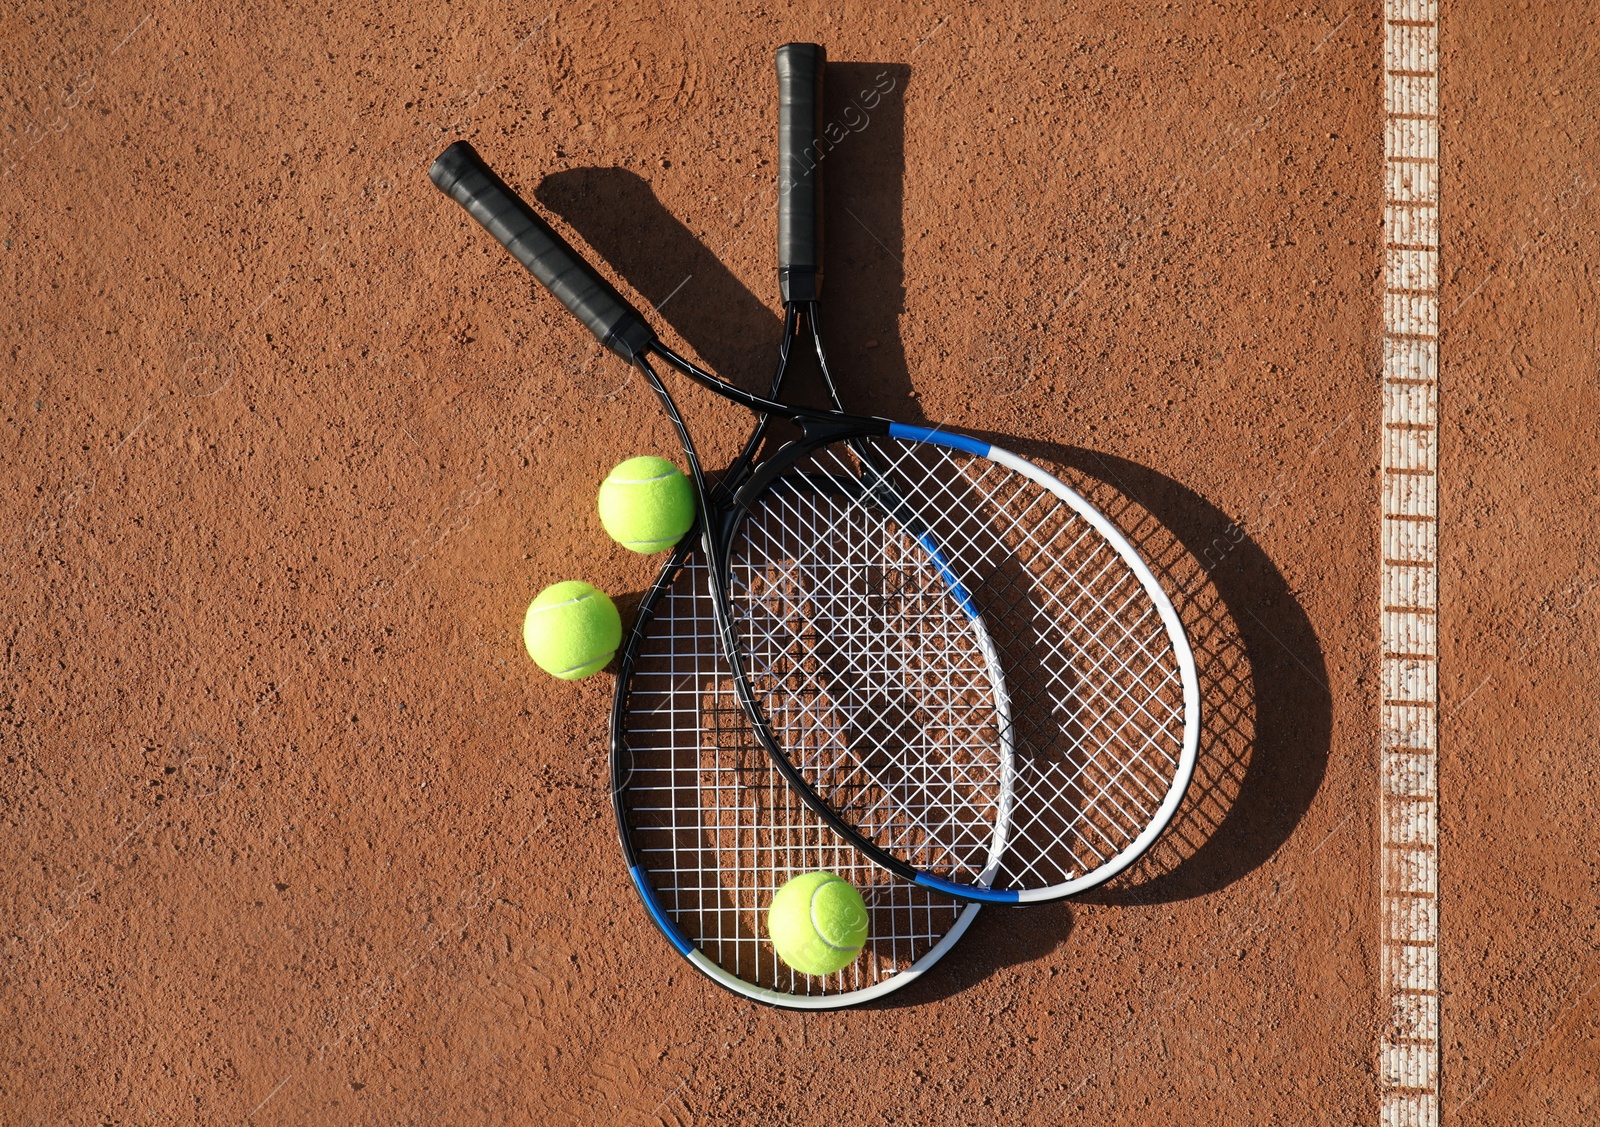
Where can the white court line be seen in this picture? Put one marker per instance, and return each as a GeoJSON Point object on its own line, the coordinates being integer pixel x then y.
{"type": "Point", "coordinates": [1408, 1056]}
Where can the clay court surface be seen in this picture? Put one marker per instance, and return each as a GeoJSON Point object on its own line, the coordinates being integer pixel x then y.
{"type": "Point", "coordinates": [294, 832]}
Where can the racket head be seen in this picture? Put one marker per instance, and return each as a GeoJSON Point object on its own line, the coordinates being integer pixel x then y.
{"type": "Point", "coordinates": [964, 665]}
{"type": "Point", "coordinates": [711, 829]}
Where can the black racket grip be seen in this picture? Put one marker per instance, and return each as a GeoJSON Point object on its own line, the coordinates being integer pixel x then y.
{"type": "Point", "coordinates": [800, 67]}
{"type": "Point", "coordinates": [461, 174]}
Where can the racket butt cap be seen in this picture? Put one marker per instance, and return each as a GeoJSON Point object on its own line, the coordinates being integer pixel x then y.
{"type": "Point", "coordinates": [450, 164]}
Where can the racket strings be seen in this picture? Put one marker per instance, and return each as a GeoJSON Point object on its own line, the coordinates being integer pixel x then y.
{"type": "Point", "coordinates": [821, 622]}
{"type": "Point", "coordinates": [1106, 778]}
{"type": "Point", "coordinates": [1063, 697]}
{"type": "Point", "coordinates": [718, 829]}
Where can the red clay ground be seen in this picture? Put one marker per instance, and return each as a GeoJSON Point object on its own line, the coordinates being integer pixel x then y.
{"type": "Point", "coordinates": [1519, 847]}
{"type": "Point", "coordinates": [295, 831]}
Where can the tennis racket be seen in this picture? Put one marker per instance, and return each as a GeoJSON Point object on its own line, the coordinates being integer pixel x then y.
{"type": "Point", "coordinates": [949, 654]}
{"type": "Point", "coordinates": [708, 825]}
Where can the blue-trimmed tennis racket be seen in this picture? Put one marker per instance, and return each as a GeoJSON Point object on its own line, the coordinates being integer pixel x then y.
{"type": "Point", "coordinates": [709, 826]}
{"type": "Point", "coordinates": [949, 654]}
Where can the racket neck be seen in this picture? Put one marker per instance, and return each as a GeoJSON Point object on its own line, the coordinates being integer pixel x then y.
{"type": "Point", "coordinates": [805, 417]}
{"type": "Point", "coordinates": [791, 322]}
{"type": "Point", "coordinates": [812, 309]}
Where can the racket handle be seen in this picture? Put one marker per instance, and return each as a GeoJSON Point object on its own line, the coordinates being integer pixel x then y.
{"type": "Point", "coordinates": [461, 174]}
{"type": "Point", "coordinates": [800, 67]}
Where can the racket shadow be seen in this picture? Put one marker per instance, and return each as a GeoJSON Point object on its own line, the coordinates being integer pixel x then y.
{"type": "Point", "coordinates": [617, 213]}
{"type": "Point", "coordinates": [1266, 709]}
{"type": "Point", "coordinates": [865, 294]}
{"type": "Point", "coordinates": [998, 938]}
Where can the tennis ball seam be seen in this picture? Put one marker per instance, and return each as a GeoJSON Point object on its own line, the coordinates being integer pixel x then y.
{"type": "Point", "coordinates": [663, 541]}
{"type": "Point", "coordinates": [816, 927]}
{"type": "Point", "coordinates": [615, 480]}
{"type": "Point", "coordinates": [554, 606]}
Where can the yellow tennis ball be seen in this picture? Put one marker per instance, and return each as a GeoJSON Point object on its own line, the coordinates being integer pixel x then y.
{"type": "Point", "coordinates": [572, 630]}
{"type": "Point", "coordinates": [818, 923]}
{"type": "Point", "coordinates": [646, 504]}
